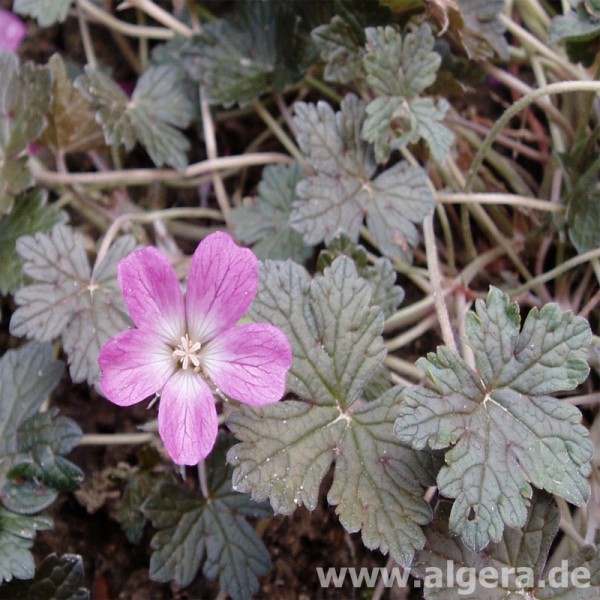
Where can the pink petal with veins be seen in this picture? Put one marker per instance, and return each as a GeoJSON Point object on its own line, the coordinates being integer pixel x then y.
{"type": "Point", "coordinates": [12, 31]}
{"type": "Point", "coordinates": [221, 286]}
{"type": "Point", "coordinates": [249, 363]}
{"type": "Point", "coordinates": [152, 293]}
{"type": "Point", "coordinates": [135, 365]}
{"type": "Point", "coordinates": [187, 418]}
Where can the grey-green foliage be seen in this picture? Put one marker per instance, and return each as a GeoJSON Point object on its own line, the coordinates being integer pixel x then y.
{"type": "Point", "coordinates": [30, 214]}
{"type": "Point", "coordinates": [64, 300]}
{"type": "Point", "coordinates": [517, 561]}
{"type": "Point", "coordinates": [57, 578]}
{"type": "Point", "coordinates": [45, 12]}
{"type": "Point", "coordinates": [240, 57]}
{"type": "Point", "coordinates": [24, 100]}
{"type": "Point", "coordinates": [215, 535]}
{"type": "Point", "coordinates": [399, 68]}
{"type": "Point", "coordinates": [482, 34]}
{"type": "Point", "coordinates": [265, 222]}
{"type": "Point", "coordinates": [344, 187]}
{"type": "Point", "coordinates": [158, 108]}
{"type": "Point", "coordinates": [504, 429]}
{"type": "Point", "coordinates": [27, 376]}
{"type": "Point", "coordinates": [287, 448]}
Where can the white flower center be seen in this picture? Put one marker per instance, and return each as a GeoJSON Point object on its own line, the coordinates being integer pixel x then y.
{"type": "Point", "coordinates": [187, 352]}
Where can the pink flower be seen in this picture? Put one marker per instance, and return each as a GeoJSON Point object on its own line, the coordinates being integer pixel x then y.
{"type": "Point", "coordinates": [12, 31]}
{"type": "Point", "coordinates": [181, 347]}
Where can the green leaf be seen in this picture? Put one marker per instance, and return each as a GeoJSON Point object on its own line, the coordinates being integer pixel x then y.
{"type": "Point", "coordinates": [64, 300]}
{"type": "Point", "coordinates": [516, 564]}
{"type": "Point", "coordinates": [580, 30]}
{"type": "Point", "coordinates": [264, 223]}
{"type": "Point", "coordinates": [159, 105]}
{"type": "Point", "coordinates": [287, 448]}
{"type": "Point", "coordinates": [72, 126]}
{"type": "Point", "coordinates": [398, 70]}
{"type": "Point", "coordinates": [583, 215]}
{"type": "Point", "coordinates": [380, 275]}
{"type": "Point", "coordinates": [57, 578]}
{"type": "Point", "coordinates": [129, 515]}
{"type": "Point", "coordinates": [340, 47]}
{"type": "Point", "coordinates": [341, 191]}
{"type": "Point", "coordinates": [215, 535]}
{"type": "Point", "coordinates": [29, 215]}
{"type": "Point", "coordinates": [504, 429]}
{"type": "Point", "coordinates": [44, 12]}
{"type": "Point", "coordinates": [525, 548]}
{"type": "Point", "coordinates": [24, 100]}
{"type": "Point", "coordinates": [237, 59]}
{"type": "Point", "coordinates": [16, 537]}
{"type": "Point", "coordinates": [483, 31]}
{"type": "Point", "coordinates": [27, 376]}
{"type": "Point", "coordinates": [44, 439]}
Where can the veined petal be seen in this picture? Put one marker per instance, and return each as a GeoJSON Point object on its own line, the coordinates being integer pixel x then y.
{"type": "Point", "coordinates": [221, 286]}
{"type": "Point", "coordinates": [152, 293]}
{"type": "Point", "coordinates": [249, 363]}
{"type": "Point", "coordinates": [135, 364]}
{"type": "Point", "coordinates": [187, 418]}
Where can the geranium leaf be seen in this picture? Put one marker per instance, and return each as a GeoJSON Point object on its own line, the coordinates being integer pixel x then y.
{"type": "Point", "coordinates": [398, 116]}
{"type": "Point", "coordinates": [45, 13]}
{"type": "Point", "coordinates": [43, 440]}
{"type": "Point", "coordinates": [340, 48]}
{"type": "Point", "coordinates": [287, 448]}
{"type": "Point", "coordinates": [504, 428]}
{"type": "Point", "coordinates": [237, 59]}
{"type": "Point", "coordinates": [27, 376]}
{"type": "Point", "coordinates": [29, 215]}
{"type": "Point", "coordinates": [215, 535]}
{"type": "Point", "coordinates": [63, 300]}
{"type": "Point", "coordinates": [336, 198]}
{"type": "Point", "coordinates": [158, 107]}
{"type": "Point", "coordinates": [265, 222]}
{"type": "Point", "coordinates": [380, 275]}
{"type": "Point", "coordinates": [24, 100]}
{"type": "Point", "coordinates": [483, 32]}
{"type": "Point", "coordinates": [72, 126]}
{"type": "Point", "coordinates": [16, 537]}
{"type": "Point", "coordinates": [57, 578]}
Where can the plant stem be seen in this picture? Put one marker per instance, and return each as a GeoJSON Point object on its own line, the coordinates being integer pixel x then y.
{"type": "Point", "coordinates": [435, 277]}
{"type": "Point", "coordinates": [140, 177]}
{"type": "Point", "coordinates": [553, 88]}
{"type": "Point", "coordinates": [160, 15]}
{"type": "Point", "coordinates": [508, 199]}
{"type": "Point", "coordinates": [115, 439]}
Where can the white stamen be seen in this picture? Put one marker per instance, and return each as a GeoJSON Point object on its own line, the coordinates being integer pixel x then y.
{"type": "Point", "coordinates": [187, 352]}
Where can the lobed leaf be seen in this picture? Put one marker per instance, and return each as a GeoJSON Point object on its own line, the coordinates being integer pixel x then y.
{"type": "Point", "coordinates": [24, 100]}
{"type": "Point", "coordinates": [44, 12]}
{"type": "Point", "coordinates": [504, 430]}
{"type": "Point", "coordinates": [158, 107]}
{"type": "Point", "coordinates": [16, 537]}
{"type": "Point", "coordinates": [27, 376]}
{"type": "Point", "coordinates": [64, 300]}
{"type": "Point", "coordinates": [287, 448]}
{"type": "Point", "coordinates": [264, 223]}
{"type": "Point", "coordinates": [57, 578]}
{"type": "Point", "coordinates": [29, 215]}
{"type": "Point", "coordinates": [342, 191]}
{"type": "Point", "coordinates": [398, 116]}
{"type": "Point", "coordinates": [215, 534]}
{"type": "Point", "coordinates": [72, 126]}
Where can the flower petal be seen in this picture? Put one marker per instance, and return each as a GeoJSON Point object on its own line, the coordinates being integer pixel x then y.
{"type": "Point", "coordinates": [187, 418]}
{"type": "Point", "coordinates": [152, 293]}
{"type": "Point", "coordinates": [249, 363]}
{"type": "Point", "coordinates": [134, 365]}
{"type": "Point", "coordinates": [221, 286]}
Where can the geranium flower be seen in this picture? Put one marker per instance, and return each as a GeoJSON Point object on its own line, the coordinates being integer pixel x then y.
{"type": "Point", "coordinates": [12, 31]}
{"type": "Point", "coordinates": [181, 347]}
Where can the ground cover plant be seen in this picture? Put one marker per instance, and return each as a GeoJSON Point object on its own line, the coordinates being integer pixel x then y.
{"type": "Point", "coordinates": [291, 289]}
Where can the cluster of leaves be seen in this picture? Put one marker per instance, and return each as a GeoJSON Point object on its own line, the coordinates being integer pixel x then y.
{"type": "Point", "coordinates": [33, 469]}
